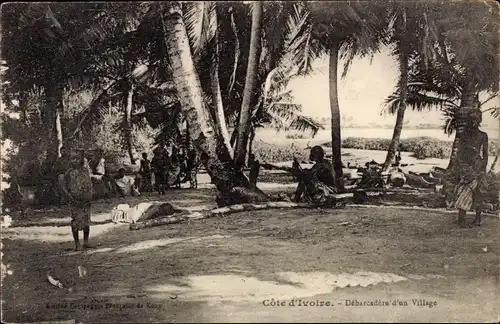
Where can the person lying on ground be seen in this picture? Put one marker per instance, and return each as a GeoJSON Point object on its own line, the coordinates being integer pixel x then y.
{"type": "Point", "coordinates": [77, 189]}
{"type": "Point", "coordinates": [125, 185]}
{"type": "Point", "coordinates": [316, 185]}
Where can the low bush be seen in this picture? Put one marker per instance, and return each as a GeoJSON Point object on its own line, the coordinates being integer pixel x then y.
{"type": "Point", "coordinates": [421, 147]}
{"type": "Point", "coordinates": [278, 153]}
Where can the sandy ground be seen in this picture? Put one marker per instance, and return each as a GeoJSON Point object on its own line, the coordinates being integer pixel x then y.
{"type": "Point", "coordinates": [234, 269]}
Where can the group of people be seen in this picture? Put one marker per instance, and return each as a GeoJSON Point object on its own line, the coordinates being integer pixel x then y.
{"type": "Point", "coordinates": [74, 178]}
{"type": "Point", "coordinates": [316, 185]}
{"type": "Point", "coordinates": [168, 169]}
{"type": "Point", "coordinates": [466, 180]}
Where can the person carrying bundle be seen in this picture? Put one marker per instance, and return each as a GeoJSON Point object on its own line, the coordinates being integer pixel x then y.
{"type": "Point", "coordinates": [77, 189]}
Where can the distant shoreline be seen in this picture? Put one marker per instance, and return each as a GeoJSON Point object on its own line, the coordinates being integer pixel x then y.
{"type": "Point", "coordinates": [406, 127]}
{"type": "Point", "coordinates": [368, 132]}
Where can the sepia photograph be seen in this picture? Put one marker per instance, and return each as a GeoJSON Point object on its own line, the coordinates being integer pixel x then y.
{"type": "Point", "coordinates": [250, 161]}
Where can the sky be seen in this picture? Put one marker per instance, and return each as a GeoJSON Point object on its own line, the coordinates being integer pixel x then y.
{"type": "Point", "coordinates": [362, 93]}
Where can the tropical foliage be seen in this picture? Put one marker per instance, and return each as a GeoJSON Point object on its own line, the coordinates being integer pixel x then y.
{"type": "Point", "coordinates": [119, 82]}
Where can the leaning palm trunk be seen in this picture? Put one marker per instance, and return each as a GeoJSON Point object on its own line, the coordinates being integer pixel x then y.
{"type": "Point", "coordinates": [335, 111]}
{"type": "Point", "coordinates": [232, 184]}
{"type": "Point", "coordinates": [220, 118]}
{"type": "Point", "coordinates": [254, 54]}
{"type": "Point", "coordinates": [403, 94]}
{"type": "Point", "coordinates": [128, 123]}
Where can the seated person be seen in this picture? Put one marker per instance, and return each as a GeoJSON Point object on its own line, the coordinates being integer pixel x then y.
{"type": "Point", "coordinates": [125, 185]}
{"type": "Point", "coordinates": [101, 177]}
{"type": "Point", "coordinates": [317, 184]}
{"type": "Point", "coordinates": [100, 169]}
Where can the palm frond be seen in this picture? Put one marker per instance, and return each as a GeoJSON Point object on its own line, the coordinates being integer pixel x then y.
{"type": "Point", "coordinates": [418, 101]}
{"type": "Point", "coordinates": [303, 123]}
{"type": "Point", "coordinates": [200, 22]}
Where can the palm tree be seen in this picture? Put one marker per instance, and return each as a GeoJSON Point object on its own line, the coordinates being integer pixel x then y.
{"type": "Point", "coordinates": [408, 20]}
{"type": "Point", "coordinates": [203, 24]}
{"type": "Point", "coordinates": [448, 76]}
{"type": "Point", "coordinates": [49, 47]}
{"type": "Point", "coordinates": [222, 172]}
{"type": "Point", "coordinates": [254, 54]}
{"type": "Point", "coordinates": [477, 69]}
{"type": "Point", "coordinates": [343, 30]}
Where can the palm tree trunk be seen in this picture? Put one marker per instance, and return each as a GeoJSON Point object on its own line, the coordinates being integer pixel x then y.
{"type": "Point", "coordinates": [250, 144]}
{"type": "Point", "coordinates": [52, 118]}
{"type": "Point", "coordinates": [128, 123]}
{"type": "Point", "coordinates": [454, 152]}
{"type": "Point", "coordinates": [403, 94]}
{"type": "Point", "coordinates": [335, 111]}
{"type": "Point", "coordinates": [253, 58]}
{"type": "Point", "coordinates": [467, 104]}
{"type": "Point", "coordinates": [220, 118]}
{"type": "Point", "coordinates": [232, 184]}
{"type": "Point", "coordinates": [58, 130]}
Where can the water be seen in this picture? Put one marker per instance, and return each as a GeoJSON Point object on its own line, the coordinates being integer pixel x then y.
{"type": "Point", "coordinates": [270, 135]}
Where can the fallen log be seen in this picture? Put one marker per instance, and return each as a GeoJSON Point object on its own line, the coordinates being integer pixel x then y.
{"type": "Point", "coordinates": [269, 166]}
{"type": "Point", "coordinates": [173, 219]}
{"type": "Point", "coordinates": [222, 211]}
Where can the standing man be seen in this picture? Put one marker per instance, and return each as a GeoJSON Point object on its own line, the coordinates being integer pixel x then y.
{"type": "Point", "coordinates": [470, 176]}
{"type": "Point", "coordinates": [159, 165]}
{"type": "Point", "coordinates": [145, 172]}
{"type": "Point", "coordinates": [192, 167]}
{"type": "Point", "coordinates": [78, 191]}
